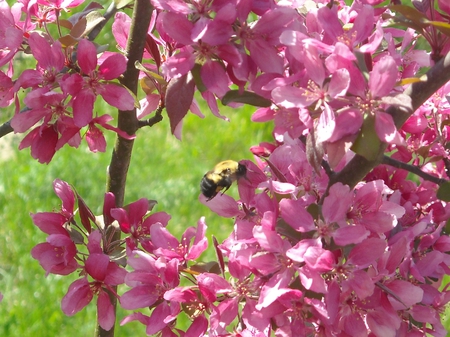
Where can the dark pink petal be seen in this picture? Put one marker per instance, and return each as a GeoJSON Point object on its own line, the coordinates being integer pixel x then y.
{"type": "Point", "coordinates": [367, 252]}
{"type": "Point", "coordinates": [383, 323]}
{"type": "Point", "coordinates": [200, 241]}
{"type": "Point", "coordinates": [361, 283]}
{"type": "Point", "coordinates": [424, 314]}
{"type": "Point", "coordinates": [114, 66]}
{"type": "Point", "coordinates": [295, 214]}
{"type": "Point", "coordinates": [362, 29]}
{"type": "Point", "coordinates": [404, 294]}
{"type": "Point", "coordinates": [215, 78]}
{"type": "Point", "coordinates": [83, 106]}
{"type": "Point", "coordinates": [177, 26]}
{"type": "Point", "coordinates": [65, 193]}
{"type": "Point", "coordinates": [337, 203]}
{"type": "Point", "coordinates": [428, 264]}
{"type": "Point", "coordinates": [353, 325]}
{"type": "Point", "coordinates": [23, 121]}
{"type": "Point", "coordinates": [43, 143]}
{"type": "Point", "coordinates": [94, 242]}
{"type": "Point", "coordinates": [121, 216]}
{"type": "Point", "coordinates": [222, 204]}
{"type": "Point", "coordinates": [268, 238]}
{"type": "Point", "coordinates": [198, 327]}
{"type": "Point", "coordinates": [179, 64]}
{"type": "Point", "coordinates": [211, 285]}
{"type": "Point", "coordinates": [350, 235]}
{"type": "Point", "coordinates": [41, 50]}
{"type": "Point", "coordinates": [115, 274]}
{"type": "Point", "coordinates": [330, 23]}
{"type": "Point", "coordinates": [265, 56]}
{"type": "Point", "coordinates": [105, 311]}
{"type": "Point", "coordinates": [378, 222]}
{"type": "Point", "coordinates": [54, 260]}
{"type": "Point", "coordinates": [97, 265]}
{"type": "Point", "coordinates": [117, 96]}
{"type": "Point", "coordinates": [137, 210]}
{"type": "Point", "coordinates": [136, 316]}
{"type": "Point", "coordinates": [50, 223]}
{"type": "Point", "coordinates": [181, 294]}
{"type": "Point", "coordinates": [162, 238]}
{"type": "Point", "coordinates": [95, 139]}
{"type": "Point", "coordinates": [158, 319]}
{"type": "Point", "coordinates": [319, 259]}
{"type": "Point", "coordinates": [87, 56]}
{"type": "Point", "coordinates": [139, 297]}
{"type": "Point", "coordinates": [78, 296]}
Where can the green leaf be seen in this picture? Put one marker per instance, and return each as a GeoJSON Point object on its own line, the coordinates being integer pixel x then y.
{"type": "Point", "coordinates": [367, 143]}
{"type": "Point", "coordinates": [245, 97]}
{"type": "Point", "coordinates": [197, 78]}
{"type": "Point", "coordinates": [411, 17]}
{"type": "Point", "coordinates": [443, 192]}
{"type": "Point", "coordinates": [444, 27]}
{"type": "Point", "coordinates": [122, 3]}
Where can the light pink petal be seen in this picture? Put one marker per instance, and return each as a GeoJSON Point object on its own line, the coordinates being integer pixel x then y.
{"type": "Point", "coordinates": [350, 235]}
{"type": "Point", "coordinates": [386, 130]}
{"type": "Point", "coordinates": [383, 77]}
{"type": "Point", "coordinates": [339, 83]}
{"type": "Point", "coordinates": [121, 28]}
{"type": "Point", "coordinates": [337, 203]}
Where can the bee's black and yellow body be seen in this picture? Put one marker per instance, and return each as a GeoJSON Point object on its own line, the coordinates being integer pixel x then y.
{"type": "Point", "coordinates": [221, 177]}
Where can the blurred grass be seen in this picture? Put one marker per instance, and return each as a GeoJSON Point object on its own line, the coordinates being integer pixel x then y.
{"type": "Point", "coordinates": [162, 168]}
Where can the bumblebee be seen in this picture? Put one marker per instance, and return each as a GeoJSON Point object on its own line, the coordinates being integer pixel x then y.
{"type": "Point", "coordinates": [221, 177]}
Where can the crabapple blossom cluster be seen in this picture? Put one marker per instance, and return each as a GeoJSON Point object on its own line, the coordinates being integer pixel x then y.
{"type": "Point", "coordinates": [367, 260]}
{"type": "Point", "coordinates": [306, 257]}
{"type": "Point", "coordinates": [63, 87]}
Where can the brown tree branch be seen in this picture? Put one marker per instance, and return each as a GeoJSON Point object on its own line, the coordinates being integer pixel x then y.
{"type": "Point", "coordinates": [5, 128]}
{"type": "Point", "coordinates": [419, 92]}
{"type": "Point", "coordinates": [127, 121]}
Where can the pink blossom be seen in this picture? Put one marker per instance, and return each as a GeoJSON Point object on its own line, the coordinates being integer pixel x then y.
{"type": "Point", "coordinates": [96, 82]}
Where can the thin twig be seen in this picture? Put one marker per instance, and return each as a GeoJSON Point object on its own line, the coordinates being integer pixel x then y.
{"type": "Point", "coordinates": [413, 169]}
{"type": "Point", "coordinates": [153, 120]}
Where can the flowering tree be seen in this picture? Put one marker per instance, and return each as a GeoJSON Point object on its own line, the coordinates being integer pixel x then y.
{"type": "Point", "coordinates": [340, 229]}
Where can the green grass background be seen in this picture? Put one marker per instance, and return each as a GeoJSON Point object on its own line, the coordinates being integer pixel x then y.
{"type": "Point", "coordinates": [162, 168]}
